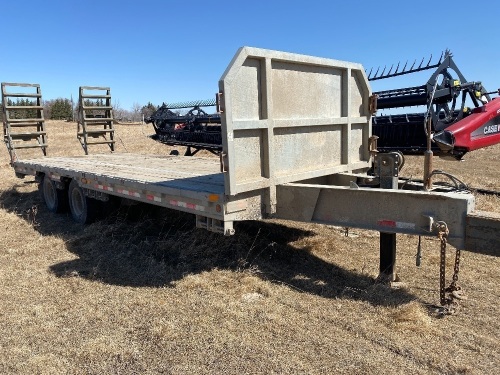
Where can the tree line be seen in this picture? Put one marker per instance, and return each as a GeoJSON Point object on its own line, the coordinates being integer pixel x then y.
{"type": "Point", "coordinates": [66, 109]}
{"type": "Point", "coordinates": [56, 109]}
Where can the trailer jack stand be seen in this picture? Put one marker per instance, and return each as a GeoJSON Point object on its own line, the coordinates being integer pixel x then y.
{"type": "Point", "coordinates": [387, 168]}
{"type": "Point", "coordinates": [387, 270]}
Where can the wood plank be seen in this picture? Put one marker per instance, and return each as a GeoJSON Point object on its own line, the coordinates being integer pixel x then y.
{"type": "Point", "coordinates": [140, 171]}
{"type": "Point", "coordinates": [23, 94]}
{"type": "Point", "coordinates": [26, 120]}
{"type": "Point", "coordinates": [152, 167]}
{"type": "Point", "coordinates": [100, 142]}
{"type": "Point", "coordinates": [33, 145]}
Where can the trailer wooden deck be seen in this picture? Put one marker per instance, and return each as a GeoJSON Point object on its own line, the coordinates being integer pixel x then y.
{"type": "Point", "coordinates": [135, 170]}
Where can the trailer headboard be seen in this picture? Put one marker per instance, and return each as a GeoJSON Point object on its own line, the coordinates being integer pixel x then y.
{"type": "Point", "coordinates": [288, 117]}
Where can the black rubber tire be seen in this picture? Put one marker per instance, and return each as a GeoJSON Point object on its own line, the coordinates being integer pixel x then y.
{"type": "Point", "coordinates": [83, 209]}
{"type": "Point", "coordinates": [55, 199]}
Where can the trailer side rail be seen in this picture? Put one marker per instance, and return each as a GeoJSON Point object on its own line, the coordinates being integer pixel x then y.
{"type": "Point", "coordinates": [383, 210]}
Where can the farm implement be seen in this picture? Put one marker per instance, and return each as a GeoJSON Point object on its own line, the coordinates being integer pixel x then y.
{"type": "Point", "coordinates": [196, 129]}
{"type": "Point", "coordinates": [460, 115]}
{"type": "Point", "coordinates": [455, 128]}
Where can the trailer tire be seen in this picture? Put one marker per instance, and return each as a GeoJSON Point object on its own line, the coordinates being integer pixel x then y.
{"type": "Point", "coordinates": [55, 199]}
{"type": "Point", "coordinates": [83, 209]}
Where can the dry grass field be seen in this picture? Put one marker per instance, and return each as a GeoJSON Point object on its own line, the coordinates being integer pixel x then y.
{"type": "Point", "coordinates": [145, 292]}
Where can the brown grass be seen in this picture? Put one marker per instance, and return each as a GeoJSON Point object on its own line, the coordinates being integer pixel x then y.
{"type": "Point", "coordinates": [146, 293]}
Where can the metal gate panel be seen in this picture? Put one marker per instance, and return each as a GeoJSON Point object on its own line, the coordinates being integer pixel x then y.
{"type": "Point", "coordinates": [288, 117]}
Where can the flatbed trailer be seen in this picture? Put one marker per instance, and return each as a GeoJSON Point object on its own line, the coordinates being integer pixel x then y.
{"type": "Point", "coordinates": [193, 185]}
{"type": "Point", "coordinates": [297, 145]}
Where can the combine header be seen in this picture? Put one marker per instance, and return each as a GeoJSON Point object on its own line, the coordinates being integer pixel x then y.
{"type": "Point", "coordinates": [196, 129]}
{"type": "Point", "coordinates": [455, 128]}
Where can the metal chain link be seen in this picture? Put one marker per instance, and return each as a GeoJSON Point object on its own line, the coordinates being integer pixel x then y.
{"type": "Point", "coordinates": [456, 270]}
{"type": "Point", "coordinates": [443, 236]}
{"type": "Point", "coordinates": [448, 303]}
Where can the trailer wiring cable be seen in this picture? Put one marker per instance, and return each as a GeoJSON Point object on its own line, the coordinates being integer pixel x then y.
{"type": "Point", "coordinates": [407, 180]}
{"type": "Point", "coordinates": [459, 185]}
{"type": "Point", "coordinates": [482, 191]}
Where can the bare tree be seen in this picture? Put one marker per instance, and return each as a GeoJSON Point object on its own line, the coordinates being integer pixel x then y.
{"type": "Point", "coordinates": [118, 112]}
{"type": "Point", "coordinates": [136, 112]}
{"type": "Point", "coordinates": [47, 108]}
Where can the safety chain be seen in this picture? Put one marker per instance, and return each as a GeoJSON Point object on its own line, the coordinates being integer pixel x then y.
{"type": "Point", "coordinates": [448, 302]}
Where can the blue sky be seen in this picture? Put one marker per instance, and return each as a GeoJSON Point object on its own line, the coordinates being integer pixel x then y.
{"type": "Point", "coordinates": [152, 50]}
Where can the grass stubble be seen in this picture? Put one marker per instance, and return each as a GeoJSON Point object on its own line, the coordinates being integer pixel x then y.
{"type": "Point", "coordinates": [145, 292]}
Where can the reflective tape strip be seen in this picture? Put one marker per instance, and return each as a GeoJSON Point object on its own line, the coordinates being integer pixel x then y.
{"type": "Point", "coordinates": [395, 224]}
{"type": "Point", "coordinates": [177, 203]}
{"type": "Point", "coordinates": [129, 192]}
{"type": "Point", "coordinates": [103, 187]}
{"type": "Point", "coordinates": [191, 206]}
{"type": "Point", "coordinates": [154, 198]}
{"type": "Point", "coordinates": [403, 225]}
{"type": "Point", "coordinates": [387, 223]}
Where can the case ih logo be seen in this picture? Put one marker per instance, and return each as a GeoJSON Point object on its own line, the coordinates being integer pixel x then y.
{"type": "Point", "coordinates": [491, 129]}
